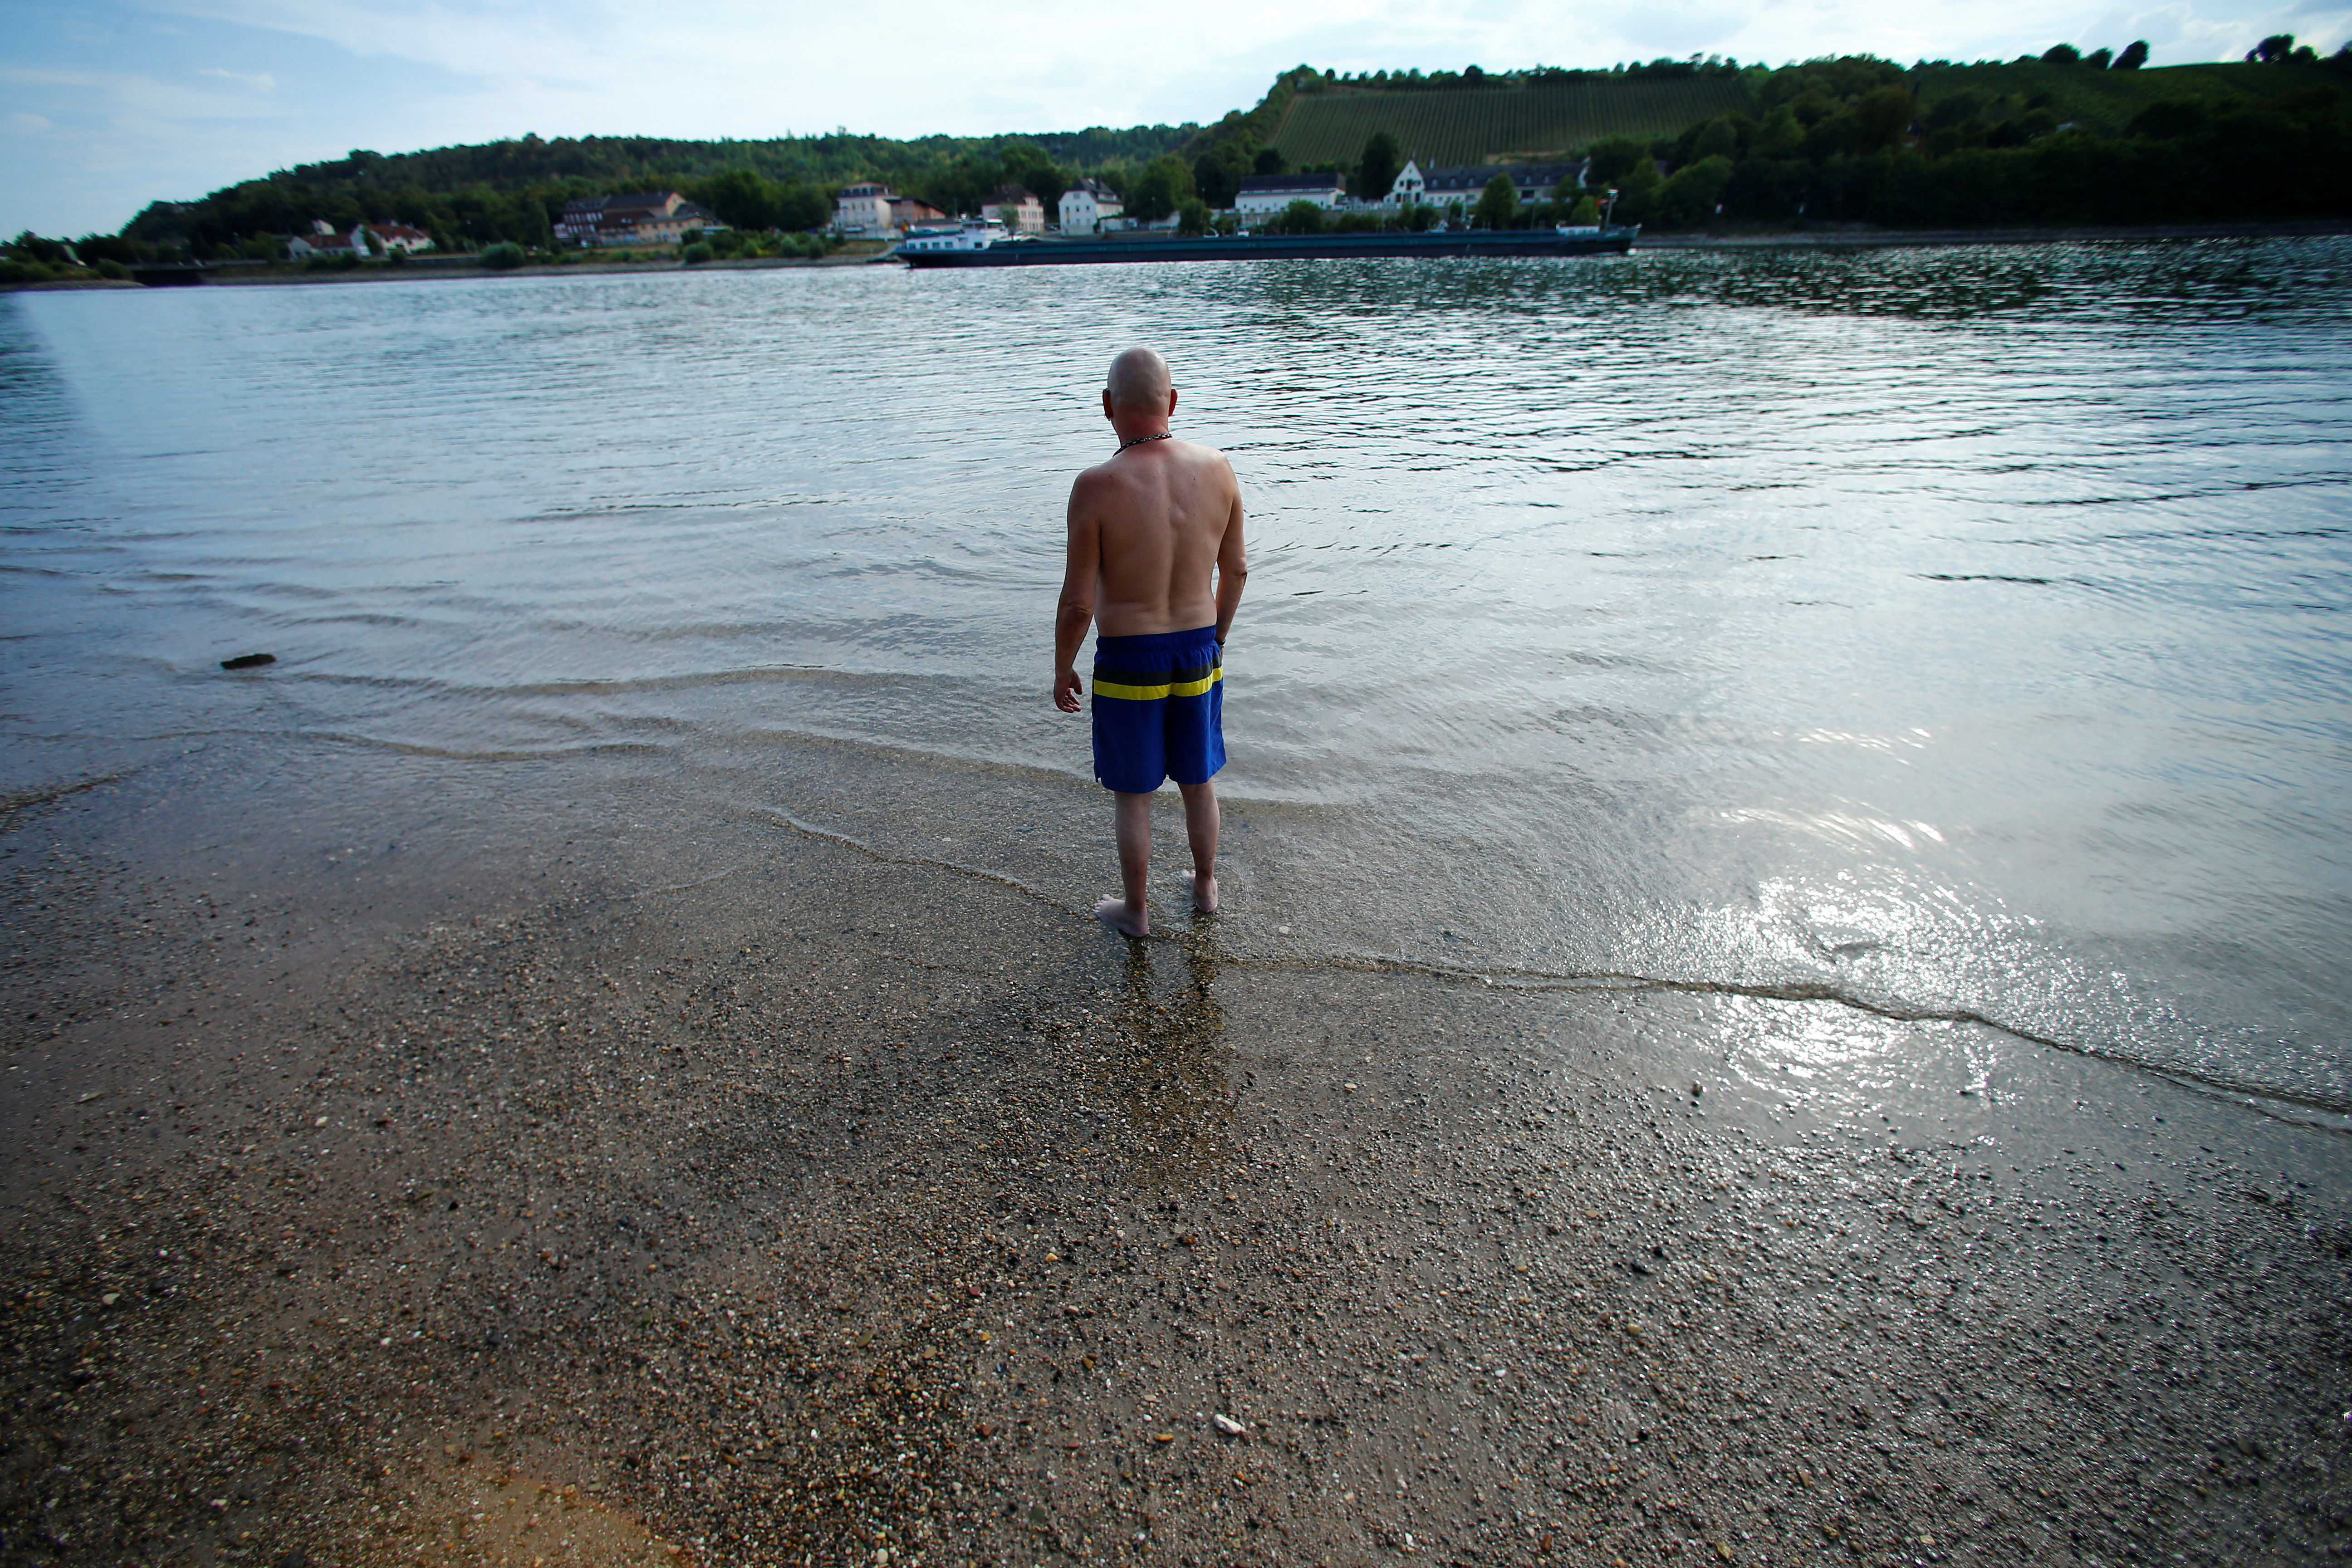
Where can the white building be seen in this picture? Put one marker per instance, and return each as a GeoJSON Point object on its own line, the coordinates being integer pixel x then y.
{"type": "Point", "coordinates": [1408, 187]}
{"type": "Point", "coordinates": [389, 237]}
{"type": "Point", "coordinates": [1086, 204]}
{"type": "Point", "coordinates": [399, 237]}
{"type": "Point", "coordinates": [1533, 181]}
{"type": "Point", "coordinates": [323, 240]}
{"type": "Point", "coordinates": [863, 208]}
{"type": "Point", "coordinates": [1264, 196]}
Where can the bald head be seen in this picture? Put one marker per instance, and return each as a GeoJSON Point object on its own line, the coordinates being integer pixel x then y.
{"type": "Point", "coordinates": [1139, 384]}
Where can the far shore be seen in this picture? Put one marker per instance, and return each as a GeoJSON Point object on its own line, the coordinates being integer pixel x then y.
{"type": "Point", "coordinates": [1842, 237]}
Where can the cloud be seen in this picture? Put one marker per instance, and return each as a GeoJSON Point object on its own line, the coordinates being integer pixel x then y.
{"type": "Point", "coordinates": [131, 95]}
{"type": "Point", "coordinates": [30, 122]}
{"type": "Point", "coordinates": [262, 82]}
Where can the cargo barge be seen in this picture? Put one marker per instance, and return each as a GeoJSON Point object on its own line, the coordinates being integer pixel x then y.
{"type": "Point", "coordinates": [969, 249]}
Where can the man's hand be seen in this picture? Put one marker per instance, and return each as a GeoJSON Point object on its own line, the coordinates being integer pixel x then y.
{"type": "Point", "coordinates": [1066, 691]}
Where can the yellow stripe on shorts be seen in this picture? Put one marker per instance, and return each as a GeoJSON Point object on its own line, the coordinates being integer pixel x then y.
{"type": "Point", "coordinates": [1151, 693]}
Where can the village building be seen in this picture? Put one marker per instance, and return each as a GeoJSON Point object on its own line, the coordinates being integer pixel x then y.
{"type": "Point", "coordinates": [1466, 182]}
{"type": "Point", "coordinates": [1264, 196]}
{"type": "Point", "coordinates": [863, 208]}
{"type": "Point", "coordinates": [643, 218]}
{"type": "Point", "coordinates": [907, 212]}
{"type": "Point", "coordinates": [324, 241]}
{"type": "Point", "coordinates": [1088, 206]}
{"type": "Point", "coordinates": [1409, 188]}
{"type": "Point", "coordinates": [1018, 210]}
{"type": "Point", "coordinates": [399, 237]}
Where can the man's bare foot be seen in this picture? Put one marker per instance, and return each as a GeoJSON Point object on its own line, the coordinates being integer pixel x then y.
{"type": "Point", "coordinates": [1114, 913]}
{"type": "Point", "coordinates": [1204, 893]}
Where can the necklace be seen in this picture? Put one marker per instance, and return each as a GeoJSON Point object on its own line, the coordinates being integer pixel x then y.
{"type": "Point", "coordinates": [1140, 440]}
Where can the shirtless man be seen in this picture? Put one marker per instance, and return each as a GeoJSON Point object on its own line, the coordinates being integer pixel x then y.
{"type": "Point", "coordinates": [1147, 531]}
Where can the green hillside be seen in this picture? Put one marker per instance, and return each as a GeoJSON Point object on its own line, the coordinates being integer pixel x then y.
{"type": "Point", "coordinates": [1494, 123]}
{"type": "Point", "coordinates": [2106, 100]}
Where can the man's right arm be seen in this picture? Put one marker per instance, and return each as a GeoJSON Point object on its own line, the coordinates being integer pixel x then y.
{"type": "Point", "coordinates": [1232, 568]}
{"type": "Point", "coordinates": [1081, 578]}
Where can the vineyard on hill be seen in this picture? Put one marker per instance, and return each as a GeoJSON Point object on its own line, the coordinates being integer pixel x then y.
{"type": "Point", "coordinates": [1480, 124]}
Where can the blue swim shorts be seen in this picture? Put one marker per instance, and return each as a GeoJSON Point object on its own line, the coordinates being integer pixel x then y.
{"type": "Point", "coordinates": [1159, 709]}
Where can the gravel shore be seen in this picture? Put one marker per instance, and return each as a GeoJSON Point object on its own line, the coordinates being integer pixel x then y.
{"type": "Point", "coordinates": [831, 1208]}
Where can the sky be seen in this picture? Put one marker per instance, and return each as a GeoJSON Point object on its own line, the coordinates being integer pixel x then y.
{"type": "Point", "coordinates": [106, 105]}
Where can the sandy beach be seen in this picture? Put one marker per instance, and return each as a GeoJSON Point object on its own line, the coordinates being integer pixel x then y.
{"type": "Point", "coordinates": [567, 1172]}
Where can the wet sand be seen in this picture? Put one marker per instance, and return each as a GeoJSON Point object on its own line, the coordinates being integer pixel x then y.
{"type": "Point", "coordinates": [568, 1172]}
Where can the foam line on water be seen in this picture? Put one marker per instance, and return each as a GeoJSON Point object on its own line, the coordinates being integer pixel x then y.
{"type": "Point", "coordinates": [2256, 1096]}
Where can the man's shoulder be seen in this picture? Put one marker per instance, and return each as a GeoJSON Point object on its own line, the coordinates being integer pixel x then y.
{"type": "Point", "coordinates": [1200, 452]}
{"type": "Point", "coordinates": [1113, 469]}
{"type": "Point", "coordinates": [1103, 473]}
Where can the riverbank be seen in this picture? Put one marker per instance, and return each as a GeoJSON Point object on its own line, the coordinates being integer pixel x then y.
{"type": "Point", "coordinates": [1850, 236]}
{"type": "Point", "coordinates": [589, 266]}
{"type": "Point", "coordinates": [856, 253]}
{"type": "Point", "coordinates": [572, 1169]}
{"type": "Point", "coordinates": [1844, 237]}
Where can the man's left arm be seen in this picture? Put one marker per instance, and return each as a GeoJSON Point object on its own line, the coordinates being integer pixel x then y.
{"type": "Point", "coordinates": [1233, 565]}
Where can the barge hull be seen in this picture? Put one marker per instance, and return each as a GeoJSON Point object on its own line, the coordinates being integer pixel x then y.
{"type": "Point", "coordinates": [1277, 248]}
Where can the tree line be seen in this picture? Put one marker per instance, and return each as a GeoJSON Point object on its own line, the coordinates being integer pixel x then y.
{"type": "Point", "coordinates": [1848, 140]}
{"type": "Point", "coordinates": [1472, 76]}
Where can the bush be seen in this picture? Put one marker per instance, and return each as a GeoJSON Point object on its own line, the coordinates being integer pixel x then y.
{"type": "Point", "coordinates": [30, 246]}
{"type": "Point", "coordinates": [1498, 204]}
{"type": "Point", "coordinates": [1163, 186]}
{"type": "Point", "coordinates": [11, 271]}
{"type": "Point", "coordinates": [503, 255]}
{"type": "Point", "coordinates": [113, 270]}
{"type": "Point", "coordinates": [2168, 118]}
{"type": "Point", "coordinates": [1301, 217]}
{"type": "Point", "coordinates": [696, 254]}
{"type": "Point", "coordinates": [1689, 198]}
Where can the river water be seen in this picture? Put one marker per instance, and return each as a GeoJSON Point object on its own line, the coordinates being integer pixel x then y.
{"type": "Point", "coordinates": [1951, 634]}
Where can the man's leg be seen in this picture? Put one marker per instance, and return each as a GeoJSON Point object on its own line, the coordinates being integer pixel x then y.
{"type": "Point", "coordinates": [1200, 827]}
{"type": "Point", "coordinates": [1128, 915]}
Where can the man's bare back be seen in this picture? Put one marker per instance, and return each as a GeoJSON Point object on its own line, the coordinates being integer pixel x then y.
{"type": "Point", "coordinates": [1155, 551]}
